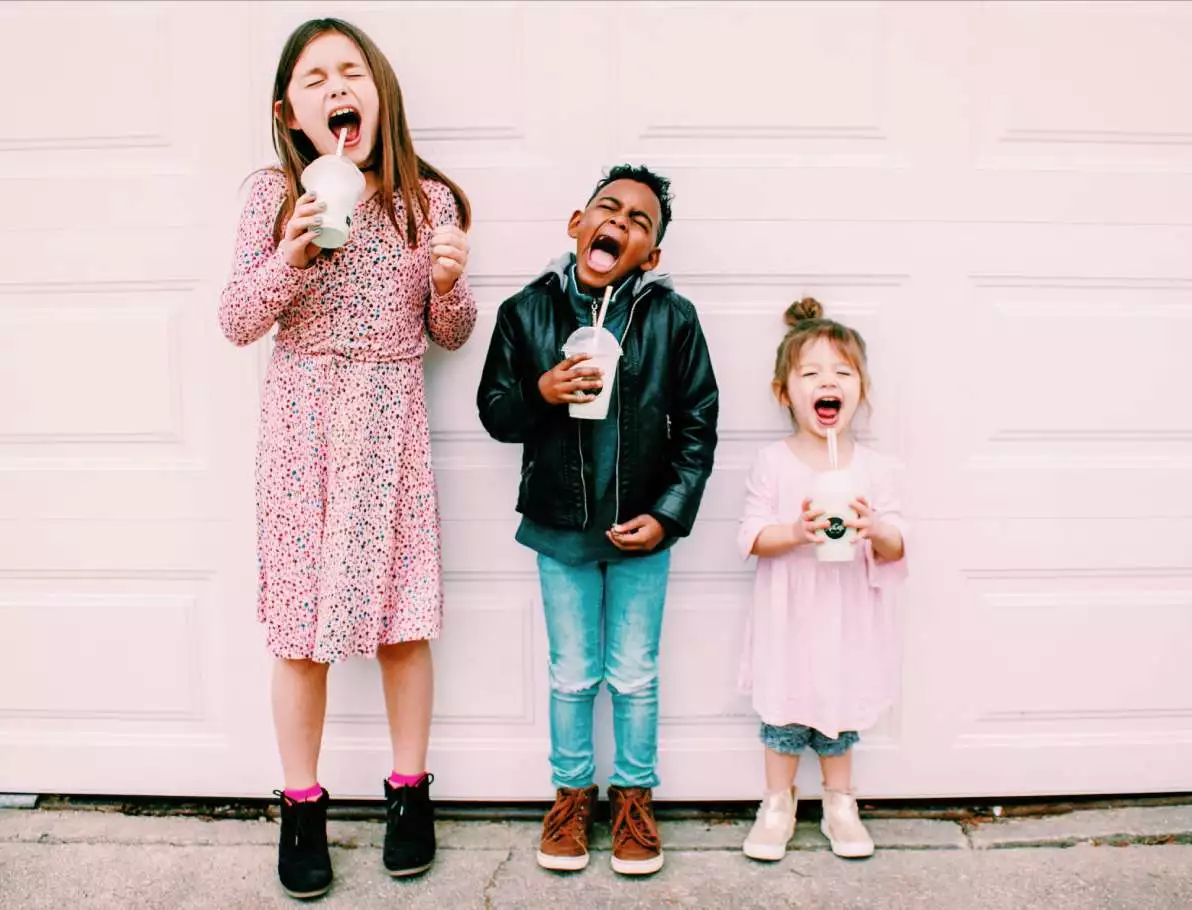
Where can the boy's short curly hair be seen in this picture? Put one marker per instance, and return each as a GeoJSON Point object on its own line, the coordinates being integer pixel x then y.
{"type": "Point", "coordinates": [659, 186]}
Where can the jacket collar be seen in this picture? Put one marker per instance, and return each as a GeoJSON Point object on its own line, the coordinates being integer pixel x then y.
{"type": "Point", "coordinates": [558, 269]}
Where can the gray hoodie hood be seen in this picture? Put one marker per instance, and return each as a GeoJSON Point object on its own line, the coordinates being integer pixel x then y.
{"type": "Point", "coordinates": [559, 268]}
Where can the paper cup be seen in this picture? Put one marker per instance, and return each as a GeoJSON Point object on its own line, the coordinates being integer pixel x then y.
{"type": "Point", "coordinates": [338, 184]}
{"type": "Point", "coordinates": [832, 493]}
{"type": "Point", "coordinates": [604, 354]}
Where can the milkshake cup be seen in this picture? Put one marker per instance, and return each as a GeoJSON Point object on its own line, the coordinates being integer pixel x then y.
{"type": "Point", "coordinates": [604, 353]}
{"type": "Point", "coordinates": [832, 494]}
{"type": "Point", "coordinates": [337, 183]}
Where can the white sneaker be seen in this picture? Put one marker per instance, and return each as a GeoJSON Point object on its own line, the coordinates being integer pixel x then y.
{"type": "Point", "coordinates": [775, 826]}
{"type": "Point", "coordinates": [842, 825]}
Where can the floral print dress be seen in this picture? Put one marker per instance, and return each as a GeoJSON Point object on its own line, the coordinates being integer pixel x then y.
{"type": "Point", "coordinates": [347, 512]}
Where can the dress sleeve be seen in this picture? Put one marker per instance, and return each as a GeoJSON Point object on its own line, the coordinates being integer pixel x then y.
{"type": "Point", "coordinates": [262, 284]}
{"type": "Point", "coordinates": [761, 503]}
{"type": "Point", "coordinates": [450, 317]}
{"type": "Point", "coordinates": [887, 507]}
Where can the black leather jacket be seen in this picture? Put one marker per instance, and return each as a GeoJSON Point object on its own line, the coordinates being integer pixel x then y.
{"type": "Point", "coordinates": [669, 403]}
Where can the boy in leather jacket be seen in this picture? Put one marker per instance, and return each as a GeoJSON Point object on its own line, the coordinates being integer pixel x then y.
{"type": "Point", "coordinates": [602, 501]}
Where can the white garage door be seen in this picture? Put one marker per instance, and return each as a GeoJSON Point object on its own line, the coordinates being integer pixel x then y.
{"type": "Point", "coordinates": [996, 194]}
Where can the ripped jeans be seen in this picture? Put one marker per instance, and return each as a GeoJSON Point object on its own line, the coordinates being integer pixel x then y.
{"type": "Point", "coordinates": [604, 622]}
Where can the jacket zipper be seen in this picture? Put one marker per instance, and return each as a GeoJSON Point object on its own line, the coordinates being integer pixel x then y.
{"type": "Point", "coordinates": [617, 466]}
{"type": "Point", "coordinates": [583, 481]}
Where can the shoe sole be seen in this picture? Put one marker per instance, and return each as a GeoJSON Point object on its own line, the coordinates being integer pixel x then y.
{"type": "Point", "coordinates": [306, 895]}
{"type": "Point", "coordinates": [846, 851]}
{"type": "Point", "coordinates": [637, 866]}
{"type": "Point", "coordinates": [563, 863]}
{"type": "Point", "coordinates": [406, 873]}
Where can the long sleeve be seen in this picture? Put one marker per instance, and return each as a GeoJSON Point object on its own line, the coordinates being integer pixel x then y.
{"type": "Point", "coordinates": [508, 400]}
{"type": "Point", "coordinates": [450, 317]}
{"type": "Point", "coordinates": [262, 284]}
{"type": "Point", "coordinates": [887, 507]}
{"type": "Point", "coordinates": [693, 417]}
{"type": "Point", "coordinates": [761, 504]}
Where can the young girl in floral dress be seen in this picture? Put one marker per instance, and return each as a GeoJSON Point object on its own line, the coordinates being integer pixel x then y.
{"type": "Point", "coordinates": [348, 528]}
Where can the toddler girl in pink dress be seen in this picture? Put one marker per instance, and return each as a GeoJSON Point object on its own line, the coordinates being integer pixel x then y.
{"type": "Point", "coordinates": [820, 657]}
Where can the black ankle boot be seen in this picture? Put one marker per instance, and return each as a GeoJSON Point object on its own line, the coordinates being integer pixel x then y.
{"type": "Point", "coordinates": [303, 860]}
{"type": "Point", "coordinates": [409, 828]}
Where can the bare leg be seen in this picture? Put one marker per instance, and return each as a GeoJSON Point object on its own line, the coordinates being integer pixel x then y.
{"type": "Point", "coordinates": [407, 674]}
{"type": "Point", "coordinates": [299, 708]}
{"type": "Point", "coordinates": [838, 771]}
{"type": "Point", "coordinates": [780, 771]}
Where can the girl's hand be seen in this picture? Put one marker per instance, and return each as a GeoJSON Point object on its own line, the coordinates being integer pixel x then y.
{"type": "Point", "coordinates": [807, 526]}
{"type": "Point", "coordinates": [449, 257]}
{"type": "Point", "coordinates": [886, 538]}
{"type": "Point", "coordinates": [865, 520]}
{"type": "Point", "coordinates": [297, 245]}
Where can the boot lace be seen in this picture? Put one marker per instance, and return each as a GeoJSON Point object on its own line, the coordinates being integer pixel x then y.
{"type": "Point", "coordinates": [634, 820]}
{"type": "Point", "coordinates": [568, 817]}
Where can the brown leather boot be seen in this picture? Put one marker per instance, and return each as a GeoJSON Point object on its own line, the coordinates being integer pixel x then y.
{"type": "Point", "coordinates": [637, 848]}
{"type": "Point", "coordinates": [566, 830]}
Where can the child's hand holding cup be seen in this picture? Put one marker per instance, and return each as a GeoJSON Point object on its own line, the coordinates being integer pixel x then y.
{"type": "Point", "coordinates": [832, 496]}
{"type": "Point", "coordinates": [338, 184]}
{"type": "Point", "coordinates": [297, 246]}
{"type": "Point", "coordinates": [603, 353]}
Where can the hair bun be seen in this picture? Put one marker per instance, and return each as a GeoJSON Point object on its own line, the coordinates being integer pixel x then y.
{"type": "Point", "coordinates": [804, 310]}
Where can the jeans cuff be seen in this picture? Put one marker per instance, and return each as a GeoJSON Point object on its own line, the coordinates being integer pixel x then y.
{"type": "Point", "coordinates": [647, 783]}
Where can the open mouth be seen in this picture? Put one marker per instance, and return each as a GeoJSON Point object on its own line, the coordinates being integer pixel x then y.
{"type": "Point", "coordinates": [345, 118]}
{"type": "Point", "coordinates": [827, 410]}
{"type": "Point", "coordinates": [603, 253]}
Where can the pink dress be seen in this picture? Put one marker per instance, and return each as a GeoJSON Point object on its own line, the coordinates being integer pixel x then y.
{"type": "Point", "coordinates": [821, 649]}
{"type": "Point", "coordinates": [347, 513]}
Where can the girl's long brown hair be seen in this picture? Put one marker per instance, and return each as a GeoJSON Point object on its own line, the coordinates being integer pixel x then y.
{"type": "Point", "coordinates": [394, 160]}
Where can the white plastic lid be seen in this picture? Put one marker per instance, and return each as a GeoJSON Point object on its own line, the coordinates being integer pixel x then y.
{"type": "Point", "coordinates": [333, 167]}
{"type": "Point", "coordinates": [586, 341]}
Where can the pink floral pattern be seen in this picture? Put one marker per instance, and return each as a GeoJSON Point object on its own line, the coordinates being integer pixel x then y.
{"type": "Point", "coordinates": [347, 512]}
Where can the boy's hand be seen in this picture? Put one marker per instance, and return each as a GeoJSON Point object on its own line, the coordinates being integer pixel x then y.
{"type": "Point", "coordinates": [449, 257]}
{"type": "Point", "coordinates": [566, 382]}
{"type": "Point", "coordinates": [643, 533]}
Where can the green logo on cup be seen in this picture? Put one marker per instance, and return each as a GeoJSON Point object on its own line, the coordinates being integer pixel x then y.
{"type": "Point", "coordinates": [835, 529]}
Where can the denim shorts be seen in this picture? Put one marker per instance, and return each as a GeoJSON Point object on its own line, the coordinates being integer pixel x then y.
{"type": "Point", "coordinates": [794, 738]}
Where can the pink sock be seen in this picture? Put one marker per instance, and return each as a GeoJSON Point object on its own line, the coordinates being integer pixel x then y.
{"type": "Point", "coordinates": [310, 794]}
{"type": "Point", "coordinates": [406, 780]}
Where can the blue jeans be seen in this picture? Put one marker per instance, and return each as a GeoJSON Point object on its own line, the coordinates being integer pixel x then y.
{"type": "Point", "coordinates": [604, 622]}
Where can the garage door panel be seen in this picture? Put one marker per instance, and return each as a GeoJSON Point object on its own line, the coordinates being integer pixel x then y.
{"type": "Point", "coordinates": [97, 629]}
{"type": "Point", "coordinates": [1058, 106]}
{"type": "Point", "coordinates": [1061, 626]}
{"type": "Point", "coordinates": [714, 115]}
